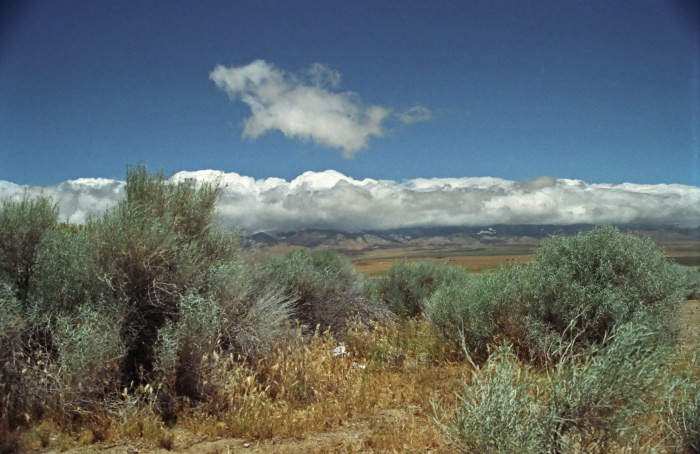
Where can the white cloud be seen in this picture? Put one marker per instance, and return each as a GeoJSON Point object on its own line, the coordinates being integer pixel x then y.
{"type": "Point", "coordinates": [77, 199]}
{"type": "Point", "coordinates": [332, 200]}
{"type": "Point", "coordinates": [306, 108]}
{"type": "Point", "coordinates": [415, 114]}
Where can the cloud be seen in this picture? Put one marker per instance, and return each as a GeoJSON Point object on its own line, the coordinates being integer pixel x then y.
{"type": "Point", "coordinates": [77, 199]}
{"type": "Point", "coordinates": [415, 114]}
{"type": "Point", "coordinates": [306, 108]}
{"type": "Point", "coordinates": [331, 200]}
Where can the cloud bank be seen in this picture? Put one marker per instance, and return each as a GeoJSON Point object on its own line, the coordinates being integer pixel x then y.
{"type": "Point", "coordinates": [306, 107]}
{"type": "Point", "coordinates": [331, 200]}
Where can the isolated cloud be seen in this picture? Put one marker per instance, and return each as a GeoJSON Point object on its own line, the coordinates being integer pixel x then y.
{"type": "Point", "coordinates": [306, 107]}
{"type": "Point", "coordinates": [415, 114]}
{"type": "Point", "coordinates": [331, 200]}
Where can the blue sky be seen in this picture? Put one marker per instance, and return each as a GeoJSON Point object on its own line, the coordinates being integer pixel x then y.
{"type": "Point", "coordinates": [601, 91]}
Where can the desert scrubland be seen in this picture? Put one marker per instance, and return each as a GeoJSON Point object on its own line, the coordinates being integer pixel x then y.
{"type": "Point", "coordinates": [149, 329]}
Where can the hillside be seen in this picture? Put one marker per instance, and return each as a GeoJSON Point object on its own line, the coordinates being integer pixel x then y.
{"type": "Point", "coordinates": [683, 245]}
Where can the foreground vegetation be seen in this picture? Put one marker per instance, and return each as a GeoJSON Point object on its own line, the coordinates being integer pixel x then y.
{"type": "Point", "coordinates": [148, 320]}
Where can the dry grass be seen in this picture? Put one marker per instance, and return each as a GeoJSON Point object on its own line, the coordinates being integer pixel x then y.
{"type": "Point", "coordinates": [376, 397]}
{"type": "Point", "coordinates": [376, 266]}
{"type": "Point", "coordinates": [302, 399]}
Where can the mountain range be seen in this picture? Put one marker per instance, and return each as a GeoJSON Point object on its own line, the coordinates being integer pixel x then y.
{"type": "Point", "coordinates": [529, 236]}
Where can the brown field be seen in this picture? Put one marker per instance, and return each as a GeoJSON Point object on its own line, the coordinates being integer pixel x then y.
{"type": "Point", "coordinates": [475, 264]}
{"type": "Point", "coordinates": [375, 262]}
{"type": "Point", "coordinates": [684, 252]}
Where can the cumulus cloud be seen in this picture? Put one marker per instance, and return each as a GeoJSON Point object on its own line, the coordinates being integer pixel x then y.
{"type": "Point", "coordinates": [331, 200]}
{"type": "Point", "coordinates": [306, 107]}
{"type": "Point", "coordinates": [77, 199]}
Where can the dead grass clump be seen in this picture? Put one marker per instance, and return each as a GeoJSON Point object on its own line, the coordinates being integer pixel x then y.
{"type": "Point", "coordinates": [301, 388]}
{"type": "Point", "coordinates": [411, 344]}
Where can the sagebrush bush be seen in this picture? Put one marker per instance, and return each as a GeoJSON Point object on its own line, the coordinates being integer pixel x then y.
{"type": "Point", "coordinates": [681, 414]}
{"type": "Point", "coordinates": [691, 280]}
{"type": "Point", "coordinates": [323, 286]}
{"type": "Point", "coordinates": [464, 312]}
{"type": "Point", "coordinates": [157, 267]}
{"type": "Point", "coordinates": [155, 246]}
{"type": "Point", "coordinates": [587, 284]}
{"type": "Point", "coordinates": [596, 397]}
{"type": "Point", "coordinates": [23, 225]}
{"type": "Point", "coordinates": [88, 350]}
{"type": "Point", "coordinates": [578, 287]}
{"type": "Point", "coordinates": [407, 285]}
{"type": "Point", "coordinates": [254, 328]}
{"type": "Point", "coordinates": [12, 325]}
{"type": "Point", "coordinates": [602, 399]}
{"type": "Point", "coordinates": [183, 347]}
{"type": "Point", "coordinates": [66, 273]}
{"type": "Point", "coordinates": [476, 311]}
{"type": "Point", "coordinates": [498, 411]}
{"type": "Point", "coordinates": [12, 319]}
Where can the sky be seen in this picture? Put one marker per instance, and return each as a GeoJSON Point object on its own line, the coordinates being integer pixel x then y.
{"type": "Point", "coordinates": [365, 100]}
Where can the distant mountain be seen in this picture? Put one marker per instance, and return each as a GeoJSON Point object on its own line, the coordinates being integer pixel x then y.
{"type": "Point", "coordinates": [352, 243]}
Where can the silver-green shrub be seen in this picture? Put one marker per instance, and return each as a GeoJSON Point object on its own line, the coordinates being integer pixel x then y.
{"type": "Point", "coordinates": [157, 245]}
{"type": "Point", "coordinates": [12, 319]}
{"type": "Point", "coordinates": [260, 324]}
{"type": "Point", "coordinates": [12, 324]}
{"type": "Point", "coordinates": [66, 273]}
{"type": "Point", "coordinates": [587, 284]}
{"type": "Point", "coordinates": [256, 312]}
{"type": "Point", "coordinates": [474, 311]}
{"type": "Point", "coordinates": [499, 411]}
{"type": "Point", "coordinates": [183, 347]}
{"type": "Point", "coordinates": [137, 300]}
{"type": "Point", "coordinates": [323, 287]}
{"type": "Point", "coordinates": [406, 286]}
{"type": "Point", "coordinates": [597, 400]}
{"type": "Point", "coordinates": [89, 349]}
{"type": "Point", "coordinates": [600, 399]}
{"type": "Point", "coordinates": [680, 413]}
{"type": "Point", "coordinates": [464, 312]}
{"type": "Point", "coordinates": [691, 280]}
{"type": "Point", "coordinates": [23, 225]}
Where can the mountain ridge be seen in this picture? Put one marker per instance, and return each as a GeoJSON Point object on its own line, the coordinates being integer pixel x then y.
{"type": "Point", "coordinates": [465, 237]}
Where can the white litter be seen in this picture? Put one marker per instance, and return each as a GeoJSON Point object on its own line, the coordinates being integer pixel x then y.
{"type": "Point", "coordinates": [339, 351]}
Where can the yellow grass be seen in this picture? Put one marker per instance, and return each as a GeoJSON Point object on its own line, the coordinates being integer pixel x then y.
{"type": "Point", "coordinates": [377, 397]}
{"type": "Point", "coordinates": [375, 267]}
{"type": "Point", "coordinates": [303, 399]}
